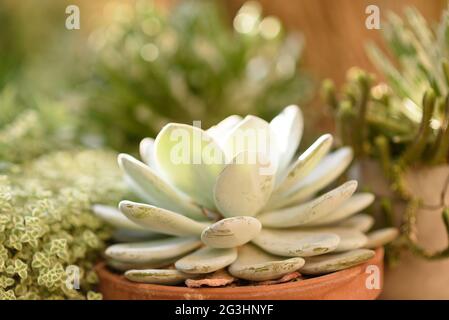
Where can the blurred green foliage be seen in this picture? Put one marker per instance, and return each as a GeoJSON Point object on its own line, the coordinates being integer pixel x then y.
{"type": "Point", "coordinates": [31, 125]}
{"type": "Point", "coordinates": [46, 223]}
{"type": "Point", "coordinates": [151, 67]}
{"type": "Point", "coordinates": [406, 119]}
{"type": "Point", "coordinates": [28, 31]}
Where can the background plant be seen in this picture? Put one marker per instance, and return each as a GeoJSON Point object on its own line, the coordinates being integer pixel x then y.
{"type": "Point", "coordinates": [46, 223]}
{"type": "Point", "coordinates": [151, 66]}
{"type": "Point", "coordinates": [32, 125]}
{"type": "Point", "coordinates": [405, 122]}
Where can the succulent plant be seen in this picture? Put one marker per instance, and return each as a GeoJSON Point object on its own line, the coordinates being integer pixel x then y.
{"type": "Point", "coordinates": [402, 123]}
{"type": "Point", "coordinates": [406, 118]}
{"type": "Point", "coordinates": [259, 216]}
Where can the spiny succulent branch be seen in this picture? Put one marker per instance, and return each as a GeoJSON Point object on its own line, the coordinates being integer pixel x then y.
{"type": "Point", "coordinates": [416, 148]}
{"type": "Point", "coordinates": [421, 52]}
{"type": "Point", "coordinates": [152, 66]}
{"type": "Point", "coordinates": [406, 120]}
{"type": "Point", "coordinates": [441, 147]}
{"type": "Point", "coordinates": [411, 233]}
{"type": "Point", "coordinates": [274, 222]}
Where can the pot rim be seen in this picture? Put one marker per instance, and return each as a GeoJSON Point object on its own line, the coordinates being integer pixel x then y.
{"type": "Point", "coordinates": [336, 278]}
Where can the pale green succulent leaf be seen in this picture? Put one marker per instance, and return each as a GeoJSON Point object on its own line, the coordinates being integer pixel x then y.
{"type": "Point", "coordinates": [306, 162]}
{"type": "Point", "coordinates": [335, 261]}
{"type": "Point", "coordinates": [243, 188]}
{"type": "Point", "coordinates": [381, 237]}
{"type": "Point", "coordinates": [124, 266]}
{"type": "Point", "coordinates": [350, 239]}
{"type": "Point", "coordinates": [146, 150]}
{"type": "Point", "coordinates": [287, 128]}
{"type": "Point", "coordinates": [156, 189]}
{"type": "Point", "coordinates": [157, 276]}
{"type": "Point", "coordinates": [161, 220]}
{"type": "Point", "coordinates": [127, 235]}
{"type": "Point", "coordinates": [296, 243]}
{"type": "Point", "coordinates": [191, 160]}
{"type": "Point", "coordinates": [206, 260]}
{"type": "Point", "coordinates": [328, 170]}
{"type": "Point", "coordinates": [354, 204]}
{"type": "Point", "coordinates": [152, 251]}
{"type": "Point", "coordinates": [252, 134]}
{"type": "Point", "coordinates": [231, 232]}
{"type": "Point", "coordinates": [361, 222]}
{"type": "Point", "coordinates": [309, 211]}
{"type": "Point", "coordinates": [114, 217]}
{"type": "Point", "coordinates": [219, 131]}
{"type": "Point", "coordinates": [255, 264]}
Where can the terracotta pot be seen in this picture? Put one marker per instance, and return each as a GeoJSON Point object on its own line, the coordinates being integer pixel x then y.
{"type": "Point", "coordinates": [345, 284]}
{"type": "Point", "coordinates": [415, 277]}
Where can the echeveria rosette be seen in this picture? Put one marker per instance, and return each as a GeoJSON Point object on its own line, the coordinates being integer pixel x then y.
{"type": "Point", "coordinates": [238, 214]}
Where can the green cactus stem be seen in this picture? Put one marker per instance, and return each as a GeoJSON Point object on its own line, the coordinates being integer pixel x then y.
{"type": "Point", "coordinates": [441, 147]}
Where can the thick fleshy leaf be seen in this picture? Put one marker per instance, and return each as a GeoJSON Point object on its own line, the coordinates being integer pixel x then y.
{"type": "Point", "coordinates": [126, 230]}
{"type": "Point", "coordinates": [157, 276]}
{"type": "Point", "coordinates": [242, 188]}
{"type": "Point", "coordinates": [306, 162]}
{"type": "Point", "coordinates": [350, 239]}
{"type": "Point", "coordinates": [161, 220]}
{"type": "Point", "coordinates": [350, 207]}
{"type": "Point", "coordinates": [381, 237]}
{"type": "Point", "coordinates": [115, 218]}
{"type": "Point", "coordinates": [231, 232]}
{"type": "Point", "coordinates": [252, 134]}
{"type": "Point", "coordinates": [218, 278]}
{"type": "Point", "coordinates": [309, 211]}
{"type": "Point", "coordinates": [146, 150]}
{"type": "Point", "coordinates": [335, 261]}
{"type": "Point", "coordinates": [220, 130]}
{"type": "Point", "coordinates": [296, 243]}
{"type": "Point", "coordinates": [126, 235]}
{"type": "Point", "coordinates": [287, 128]}
{"type": "Point", "coordinates": [191, 160]}
{"type": "Point", "coordinates": [206, 260]}
{"type": "Point", "coordinates": [361, 222]}
{"type": "Point", "coordinates": [256, 265]}
{"type": "Point", "coordinates": [329, 169]}
{"type": "Point", "coordinates": [158, 192]}
{"type": "Point", "coordinates": [152, 251]}
{"type": "Point", "coordinates": [124, 266]}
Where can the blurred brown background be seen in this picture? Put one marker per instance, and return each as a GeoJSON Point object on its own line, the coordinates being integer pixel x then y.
{"type": "Point", "coordinates": [335, 31]}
